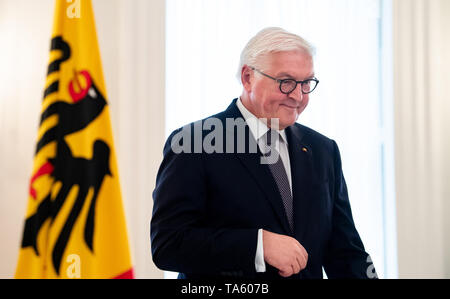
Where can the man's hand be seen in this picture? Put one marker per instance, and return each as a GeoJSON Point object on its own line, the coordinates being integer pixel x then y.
{"type": "Point", "coordinates": [284, 253]}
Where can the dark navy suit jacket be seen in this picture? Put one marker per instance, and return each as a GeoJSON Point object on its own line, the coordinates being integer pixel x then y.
{"type": "Point", "coordinates": [208, 209]}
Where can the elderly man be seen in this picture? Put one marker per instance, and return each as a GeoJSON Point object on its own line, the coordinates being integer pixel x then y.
{"type": "Point", "coordinates": [232, 212]}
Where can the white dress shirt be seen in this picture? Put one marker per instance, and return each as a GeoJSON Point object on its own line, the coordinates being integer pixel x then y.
{"type": "Point", "coordinates": [258, 128]}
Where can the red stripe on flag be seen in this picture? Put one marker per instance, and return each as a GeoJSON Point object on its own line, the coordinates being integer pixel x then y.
{"type": "Point", "coordinates": [126, 275]}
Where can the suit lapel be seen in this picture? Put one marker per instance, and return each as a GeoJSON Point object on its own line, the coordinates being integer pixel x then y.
{"type": "Point", "coordinates": [260, 172]}
{"type": "Point", "coordinates": [262, 175]}
{"type": "Point", "coordinates": [300, 155]}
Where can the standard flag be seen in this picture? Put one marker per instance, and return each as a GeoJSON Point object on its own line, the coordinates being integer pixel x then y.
{"type": "Point", "coordinates": [74, 225]}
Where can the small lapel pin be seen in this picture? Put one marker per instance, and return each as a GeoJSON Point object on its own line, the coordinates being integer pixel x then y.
{"type": "Point", "coordinates": [304, 149]}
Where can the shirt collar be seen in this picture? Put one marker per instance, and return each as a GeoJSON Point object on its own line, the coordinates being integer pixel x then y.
{"type": "Point", "coordinates": [256, 125]}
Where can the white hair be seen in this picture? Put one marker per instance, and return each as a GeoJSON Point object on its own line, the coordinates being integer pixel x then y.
{"type": "Point", "coordinates": [271, 40]}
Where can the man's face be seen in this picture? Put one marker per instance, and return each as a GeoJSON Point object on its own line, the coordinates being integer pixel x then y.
{"type": "Point", "coordinates": [265, 100]}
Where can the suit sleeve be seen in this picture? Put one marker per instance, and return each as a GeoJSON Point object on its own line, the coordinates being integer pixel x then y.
{"type": "Point", "coordinates": [345, 256]}
{"type": "Point", "coordinates": [181, 239]}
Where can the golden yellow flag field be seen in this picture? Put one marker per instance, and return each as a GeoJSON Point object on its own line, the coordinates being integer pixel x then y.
{"type": "Point", "coordinates": [74, 224]}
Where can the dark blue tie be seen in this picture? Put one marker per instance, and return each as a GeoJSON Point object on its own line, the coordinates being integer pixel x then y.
{"type": "Point", "coordinates": [280, 176]}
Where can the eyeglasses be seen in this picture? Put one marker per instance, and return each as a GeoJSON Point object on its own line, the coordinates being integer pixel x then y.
{"type": "Point", "coordinates": [289, 85]}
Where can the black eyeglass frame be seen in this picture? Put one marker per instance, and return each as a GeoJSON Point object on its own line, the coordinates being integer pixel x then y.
{"type": "Point", "coordinates": [281, 81]}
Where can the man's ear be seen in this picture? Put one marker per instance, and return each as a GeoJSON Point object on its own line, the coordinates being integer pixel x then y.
{"type": "Point", "coordinates": [247, 77]}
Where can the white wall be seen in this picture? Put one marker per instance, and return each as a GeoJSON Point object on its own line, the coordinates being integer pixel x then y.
{"type": "Point", "coordinates": [131, 38]}
{"type": "Point", "coordinates": [25, 28]}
